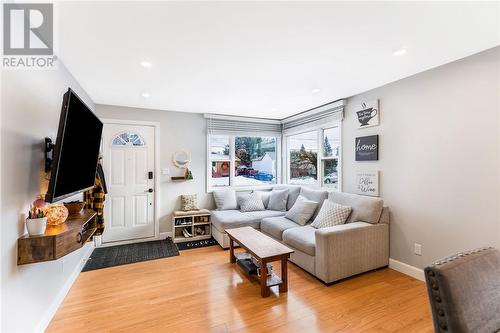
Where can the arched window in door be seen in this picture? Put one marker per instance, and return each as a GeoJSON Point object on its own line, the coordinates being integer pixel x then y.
{"type": "Point", "coordinates": [128, 139]}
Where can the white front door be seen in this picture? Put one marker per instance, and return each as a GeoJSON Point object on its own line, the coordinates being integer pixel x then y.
{"type": "Point", "coordinates": [128, 162]}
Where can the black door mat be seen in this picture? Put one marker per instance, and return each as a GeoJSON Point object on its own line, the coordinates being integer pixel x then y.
{"type": "Point", "coordinates": [104, 257]}
{"type": "Point", "coordinates": [196, 244]}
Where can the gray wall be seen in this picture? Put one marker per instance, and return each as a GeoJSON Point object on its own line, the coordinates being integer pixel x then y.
{"type": "Point", "coordinates": [439, 157]}
{"type": "Point", "coordinates": [178, 131]}
{"type": "Point", "coordinates": [31, 105]}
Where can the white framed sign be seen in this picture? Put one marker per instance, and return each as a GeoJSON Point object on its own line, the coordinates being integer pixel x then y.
{"type": "Point", "coordinates": [367, 114]}
{"type": "Point", "coordinates": [367, 183]}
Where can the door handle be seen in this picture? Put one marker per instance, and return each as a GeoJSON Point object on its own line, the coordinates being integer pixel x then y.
{"type": "Point", "coordinates": [150, 190]}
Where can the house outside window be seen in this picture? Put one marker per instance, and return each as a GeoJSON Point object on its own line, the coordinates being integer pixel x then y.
{"type": "Point", "coordinates": [220, 161]}
{"type": "Point", "coordinates": [243, 161]}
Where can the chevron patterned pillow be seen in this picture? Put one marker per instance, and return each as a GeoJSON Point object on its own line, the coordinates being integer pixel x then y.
{"type": "Point", "coordinates": [331, 214]}
{"type": "Point", "coordinates": [251, 203]}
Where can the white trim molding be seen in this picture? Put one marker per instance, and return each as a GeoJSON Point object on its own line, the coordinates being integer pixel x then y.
{"type": "Point", "coordinates": [406, 269]}
{"type": "Point", "coordinates": [156, 126]}
{"type": "Point", "coordinates": [160, 236]}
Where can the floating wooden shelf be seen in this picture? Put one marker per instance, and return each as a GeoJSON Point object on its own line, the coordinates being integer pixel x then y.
{"type": "Point", "coordinates": [179, 178]}
{"type": "Point", "coordinates": [58, 240]}
{"type": "Point", "coordinates": [187, 176]}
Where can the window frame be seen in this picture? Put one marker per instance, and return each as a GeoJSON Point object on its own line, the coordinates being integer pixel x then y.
{"type": "Point", "coordinates": [232, 161]}
{"type": "Point", "coordinates": [320, 129]}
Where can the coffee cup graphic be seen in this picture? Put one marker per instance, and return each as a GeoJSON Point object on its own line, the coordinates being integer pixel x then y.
{"type": "Point", "coordinates": [365, 115]}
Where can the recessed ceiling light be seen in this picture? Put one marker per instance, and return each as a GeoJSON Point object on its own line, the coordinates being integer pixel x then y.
{"type": "Point", "coordinates": [315, 90]}
{"type": "Point", "coordinates": [273, 110]}
{"type": "Point", "coordinates": [145, 94]}
{"type": "Point", "coordinates": [146, 64]}
{"type": "Point", "coordinates": [399, 52]}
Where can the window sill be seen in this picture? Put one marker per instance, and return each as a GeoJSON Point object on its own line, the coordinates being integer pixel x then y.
{"type": "Point", "coordinates": [243, 188]}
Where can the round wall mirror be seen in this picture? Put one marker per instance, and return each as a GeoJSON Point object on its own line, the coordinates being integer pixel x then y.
{"type": "Point", "coordinates": [181, 159]}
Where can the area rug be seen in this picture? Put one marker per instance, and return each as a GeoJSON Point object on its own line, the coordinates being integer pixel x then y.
{"type": "Point", "coordinates": [196, 244]}
{"type": "Point", "coordinates": [104, 257]}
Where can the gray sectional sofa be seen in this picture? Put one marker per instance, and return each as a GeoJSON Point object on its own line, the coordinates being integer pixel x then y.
{"type": "Point", "coordinates": [331, 254]}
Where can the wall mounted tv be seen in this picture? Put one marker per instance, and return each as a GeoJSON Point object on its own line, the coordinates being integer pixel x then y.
{"type": "Point", "coordinates": [76, 151]}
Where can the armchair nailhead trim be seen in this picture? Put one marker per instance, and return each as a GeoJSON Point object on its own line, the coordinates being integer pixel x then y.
{"type": "Point", "coordinates": [435, 287]}
{"type": "Point", "coordinates": [442, 321]}
{"type": "Point", "coordinates": [459, 255]}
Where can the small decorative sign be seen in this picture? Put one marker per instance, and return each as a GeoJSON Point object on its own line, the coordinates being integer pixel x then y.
{"type": "Point", "coordinates": [366, 148]}
{"type": "Point", "coordinates": [367, 183]}
{"type": "Point", "coordinates": [368, 114]}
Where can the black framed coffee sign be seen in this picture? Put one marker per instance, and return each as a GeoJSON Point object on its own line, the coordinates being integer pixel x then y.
{"type": "Point", "coordinates": [366, 148]}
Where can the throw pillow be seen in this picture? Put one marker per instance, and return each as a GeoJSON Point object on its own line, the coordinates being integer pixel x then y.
{"type": "Point", "coordinates": [277, 200]}
{"type": "Point", "coordinates": [251, 203]}
{"type": "Point", "coordinates": [189, 202]}
{"type": "Point", "coordinates": [331, 214]}
{"type": "Point", "coordinates": [264, 195]}
{"type": "Point", "coordinates": [225, 199]}
{"type": "Point", "coordinates": [302, 210]}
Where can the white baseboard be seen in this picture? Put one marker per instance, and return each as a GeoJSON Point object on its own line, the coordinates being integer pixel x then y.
{"type": "Point", "coordinates": [164, 235]}
{"type": "Point", "coordinates": [42, 326]}
{"type": "Point", "coordinates": [412, 271]}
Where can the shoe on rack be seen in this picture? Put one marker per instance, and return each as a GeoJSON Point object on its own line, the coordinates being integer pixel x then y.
{"type": "Point", "coordinates": [186, 233]}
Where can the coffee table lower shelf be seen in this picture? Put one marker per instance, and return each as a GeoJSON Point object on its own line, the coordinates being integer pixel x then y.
{"type": "Point", "coordinates": [265, 250]}
{"type": "Point", "coordinates": [272, 279]}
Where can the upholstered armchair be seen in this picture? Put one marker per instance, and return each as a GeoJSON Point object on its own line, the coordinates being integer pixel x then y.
{"type": "Point", "coordinates": [464, 292]}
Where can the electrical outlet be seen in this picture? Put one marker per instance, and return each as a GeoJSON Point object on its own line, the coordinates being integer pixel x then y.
{"type": "Point", "coordinates": [165, 171]}
{"type": "Point", "coordinates": [418, 249]}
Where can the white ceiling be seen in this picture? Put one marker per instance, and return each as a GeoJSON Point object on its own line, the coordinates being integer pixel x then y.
{"type": "Point", "coordinates": [261, 59]}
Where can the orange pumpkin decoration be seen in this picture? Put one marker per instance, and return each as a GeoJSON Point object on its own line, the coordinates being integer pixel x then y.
{"type": "Point", "coordinates": [57, 214]}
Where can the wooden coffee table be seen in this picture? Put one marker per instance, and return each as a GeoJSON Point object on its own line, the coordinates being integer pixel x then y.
{"type": "Point", "coordinates": [265, 250]}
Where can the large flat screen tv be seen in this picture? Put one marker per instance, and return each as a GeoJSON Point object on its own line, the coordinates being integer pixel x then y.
{"type": "Point", "coordinates": [76, 150]}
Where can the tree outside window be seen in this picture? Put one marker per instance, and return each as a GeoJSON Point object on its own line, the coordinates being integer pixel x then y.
{"type": "Point", "coordinates": [303, 158]}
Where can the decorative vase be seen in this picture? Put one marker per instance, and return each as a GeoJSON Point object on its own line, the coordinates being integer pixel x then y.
{"type": "Point", "coordinates": [57, 214]}
{"type": "Point", "coordinates": [36, 226]}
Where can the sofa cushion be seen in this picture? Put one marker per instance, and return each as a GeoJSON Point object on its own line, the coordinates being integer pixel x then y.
{"type": "Point", "coordinates": [302, 210]}
{"type": "Point", "coordinates": [331, 214]}
{"type": "Point", "coordinates": [275, 226]}
{"type": "Point", "coordinates": [278, 200]}
{"type": "Point", "coordinates": [301, 238]}
{"type": "Point", "coordinates": [314, 195]}
{"type": "Point", "coordinates": [264, 195]}
{"type": "Point", "coordinates": [293, 193]}
{"type": "Point", "coordinates": [251, 202]}
{"type": "Point", "coordinates": [366, 209]}
{"type": "Point", "coordinates": [225, 199]}
{"type": "Point", "coordinates": [229, 219]}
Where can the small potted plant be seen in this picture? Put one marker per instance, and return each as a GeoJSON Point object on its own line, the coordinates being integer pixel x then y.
{"type": "Point", "coordinates": [36, 223]}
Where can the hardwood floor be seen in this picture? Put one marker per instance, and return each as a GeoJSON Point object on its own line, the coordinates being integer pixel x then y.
{"type": "Point", "coordinates": [200, 291]}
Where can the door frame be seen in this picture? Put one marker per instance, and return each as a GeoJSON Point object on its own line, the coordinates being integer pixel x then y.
{"type": "Point", "coordinates": [156, 200]}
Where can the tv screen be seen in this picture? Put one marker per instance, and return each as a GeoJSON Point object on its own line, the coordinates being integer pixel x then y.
{"type": "Point", "coordinates": [76, 150]}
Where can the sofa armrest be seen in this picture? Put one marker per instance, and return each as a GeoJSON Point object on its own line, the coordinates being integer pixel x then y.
{"type": "Point", "coordinates": [349, 249]}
